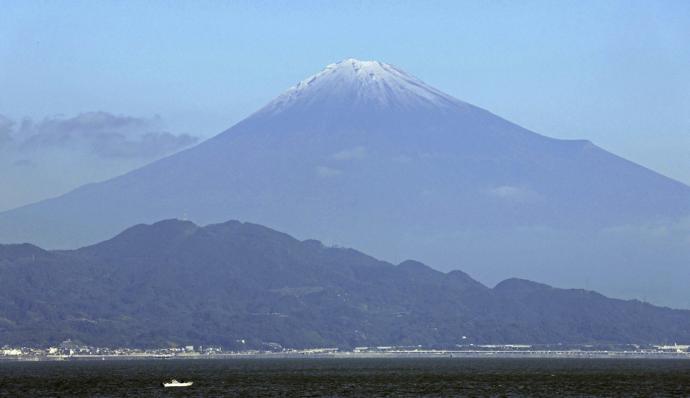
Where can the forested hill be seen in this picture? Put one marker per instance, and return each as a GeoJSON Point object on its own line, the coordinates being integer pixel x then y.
{"type": "Point", "coordinates": [174, 282]}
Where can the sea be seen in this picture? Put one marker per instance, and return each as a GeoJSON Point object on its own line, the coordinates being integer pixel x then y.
{"type": "Point", "coordinates": [361, 377]}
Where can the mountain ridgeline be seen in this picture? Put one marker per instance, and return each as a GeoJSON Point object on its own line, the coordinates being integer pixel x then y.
{"type": "Point", "coordinates": [175, 283]}
{"type": "Point", "coordinates": [364, 155]}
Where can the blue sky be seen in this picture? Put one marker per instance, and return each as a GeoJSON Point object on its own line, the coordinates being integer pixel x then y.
{"type": "Point", "coordinates": [615, 72]}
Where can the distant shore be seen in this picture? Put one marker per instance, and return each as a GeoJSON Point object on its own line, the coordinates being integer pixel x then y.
{"type": "Point", "coordinates": [575, 354]}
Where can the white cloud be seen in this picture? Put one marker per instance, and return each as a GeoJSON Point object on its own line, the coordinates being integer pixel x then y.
{"type": "Point", "coordinates": [402, 159]}
{"type": "Point", "coordinates": [351, 154]}
{"type": "Point", "coordinates": [514, 194]}
{"type": "Point", "coordinates": [323, 171]}
{"type": "Point", "coordinates": [663, 230]}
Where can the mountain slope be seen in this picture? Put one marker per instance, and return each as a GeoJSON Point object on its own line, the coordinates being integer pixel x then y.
{"type": "Point", "coordinates": [365, 155]}
{"type": "Point", "coordinates": [174, 282]}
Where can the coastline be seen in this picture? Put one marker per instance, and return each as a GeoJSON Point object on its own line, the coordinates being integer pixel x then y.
{"type": "Point", "coordinates": [422, 354]}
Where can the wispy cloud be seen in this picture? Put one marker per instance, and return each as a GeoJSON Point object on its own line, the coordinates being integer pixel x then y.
{"type": "Point", "coordinates": [514, 194]}
{"type": "Point", "coordinates": [44, 158]}
{"type": "Point", "coordinates": [358, 152]}
{"type": "Point", "coordinates": [661, 230]}
{"type": "Point", "coordinates": [99, 133]}
{"type": "Point", "coordinates": [323, 171]}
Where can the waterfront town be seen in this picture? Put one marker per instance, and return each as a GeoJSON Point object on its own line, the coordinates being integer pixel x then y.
{"type": "Point", "coordinates": [69, 350]}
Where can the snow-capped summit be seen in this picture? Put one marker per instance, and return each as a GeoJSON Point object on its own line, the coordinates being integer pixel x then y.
{"type": "Point", "coordinates": [352, 83]}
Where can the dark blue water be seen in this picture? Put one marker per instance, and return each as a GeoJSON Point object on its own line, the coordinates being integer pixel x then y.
{"type": "Point", "coordinates": [349, 378]}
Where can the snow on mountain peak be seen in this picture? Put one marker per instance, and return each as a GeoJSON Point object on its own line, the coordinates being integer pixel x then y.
{"type": "Point", "coordinates": [369, 84]}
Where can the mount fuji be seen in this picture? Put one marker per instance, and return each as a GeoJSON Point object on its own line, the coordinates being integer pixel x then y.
{"type": "Point", "coordinates": [364, 155]}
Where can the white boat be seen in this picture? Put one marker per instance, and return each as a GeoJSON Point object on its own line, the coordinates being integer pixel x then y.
{"type": "Point", "coordinates": [175, 383]}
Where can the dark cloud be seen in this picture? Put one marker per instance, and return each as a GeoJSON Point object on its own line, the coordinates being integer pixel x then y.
{"type": "Point", "coordinates": [47, 157]}
{"type": "Point", "coordinates": [99, 133]}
